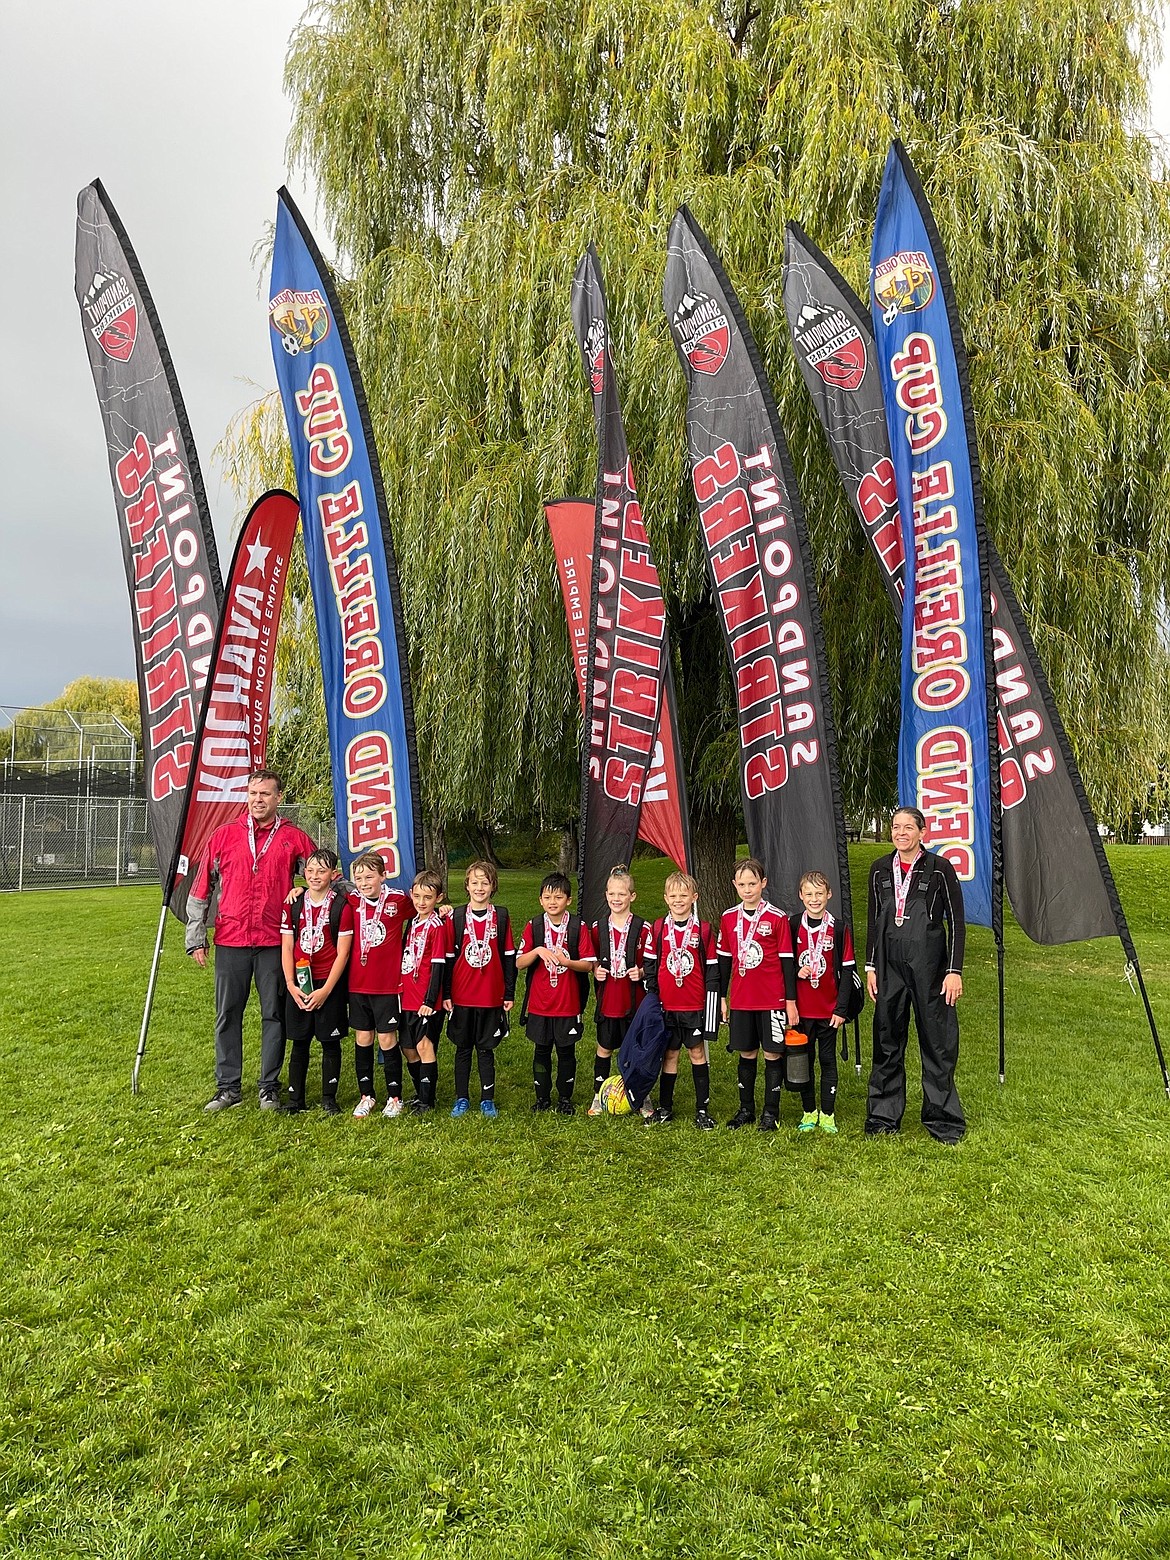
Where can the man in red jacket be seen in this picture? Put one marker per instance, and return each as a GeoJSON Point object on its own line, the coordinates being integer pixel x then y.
{"type": "Point", "coordinates": [252, 863]}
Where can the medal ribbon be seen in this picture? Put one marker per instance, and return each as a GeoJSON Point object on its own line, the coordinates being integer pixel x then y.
{"type": "Point", "coordinates": [815, 943]}
{"type": "Point", "coordinates": [313, 924]}
{"type": "Point", "coordinates": [257, 859]}
{"type": "Point", "coordinates": [749, 919]}
{"type": "Point", "coordinates": [418, 939]}
{"type": "Point", "coordinates": [555, 937]}
{"type": "Point", "coordinates": [902, 887]}
{"type": "Point", "coordinates": [479, 946]}
{"type": "Point", "coordinates": [617, 947]}
{"type": "Point", "coordinates": [369, 911]}
{"type": "Point", "coordinates": [675, 951]}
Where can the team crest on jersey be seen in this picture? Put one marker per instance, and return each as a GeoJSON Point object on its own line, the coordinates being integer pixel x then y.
{"type": "Point", "coordinates": [112, 313]}
{"type": "Point", "coordinates": [595, 356]}
{"type": "Point", "coordinates": [703, 332]}
{"type": "Point", "coordinates": [833, 345]}
{"type": "Point", "coordinates": [903, 284]}
{"type": "Point", "coordinates": [300, 319]}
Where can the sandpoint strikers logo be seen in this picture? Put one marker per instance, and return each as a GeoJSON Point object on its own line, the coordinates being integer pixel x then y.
{"type": "Point", "coordinates": [595, 356]}
{"type": "Point", "coordinates": [903, 284]}
{"type": "Point", "coordinates": [300, 319]}
{"type": "Point", "coordinates": [112, 314]}
{"type": "Point", "coordinates": [831, 344]}
{"type": "Point", "coordinates": [703, 332]}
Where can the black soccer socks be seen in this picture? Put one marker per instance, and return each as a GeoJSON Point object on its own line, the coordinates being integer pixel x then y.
{"type": "Point", "coordinates": [486, 1058]}
{"type": "Point", "coordinates": [363, 1066]}
{"type": "Point", "coordinates": [566, 1070]}
{"type": "Point", "coordinates": [462, 1072]}
{"type": "Point", "coordinates": [392, 1066]}
{"type": "Point", "coordinates": [773, 1084]}
{"type": "Point", "coordinates": [428, 1079]}
{"type": "Point", "coordinates": [542, 1073]}
{"type": "Point", "coordinates": [746, 1079]}
{"type": "Point", "coordinates": [701, 1074]}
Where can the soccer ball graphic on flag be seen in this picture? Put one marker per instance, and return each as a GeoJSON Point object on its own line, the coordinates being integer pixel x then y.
{"type": "Point", "coordinates": [614, 1097]}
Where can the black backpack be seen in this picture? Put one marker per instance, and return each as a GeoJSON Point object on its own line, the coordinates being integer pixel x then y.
{"type": "Point", "coordinates": [854, 988]}
{"type": "Point", "coordinates": [601, 929]}
{"type": "Point", "coordinates": [503, 927]}
{"type": "Point", "coordinates": [573, 946]}
{"type": "Point", "coordinates": [298, 915]}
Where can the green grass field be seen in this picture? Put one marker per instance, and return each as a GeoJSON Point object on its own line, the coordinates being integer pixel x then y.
{"type": "Point", "coordinates": [540, 1337]}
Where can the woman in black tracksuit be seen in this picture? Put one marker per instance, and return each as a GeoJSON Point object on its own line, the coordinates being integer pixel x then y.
{"type": "Point", "coordinates": [914, 959]}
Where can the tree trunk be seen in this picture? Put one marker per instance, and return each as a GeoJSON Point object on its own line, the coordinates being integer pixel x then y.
{"type": "Point", "coordinates": [435, 844]}
{"type": "Point", "coordinates": [715, 836]}
{"type": "Point", "coordinates": [482, 842]}
{"type": "Point", "coordinates": [570, 845]}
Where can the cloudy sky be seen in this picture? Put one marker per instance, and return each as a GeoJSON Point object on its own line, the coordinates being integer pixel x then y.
{"type": "Point", "coordinates": [179, 110]}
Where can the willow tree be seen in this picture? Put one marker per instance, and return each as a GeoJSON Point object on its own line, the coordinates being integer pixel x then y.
{"type": "Point", "coordinates": [465, 152]}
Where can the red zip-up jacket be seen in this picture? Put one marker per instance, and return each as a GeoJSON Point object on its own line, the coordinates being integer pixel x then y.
{"type": "Point", "coordinates": [250, 898]}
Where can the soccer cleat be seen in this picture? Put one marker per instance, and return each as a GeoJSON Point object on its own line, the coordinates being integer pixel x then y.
{"type": "Point", "coordinates": [366, 1106]}
{"type": "Point", "coordinates": [541, 1105]}
{"type": "Point", "coordinates": [460, 1107]}
{"type": "Point", "coordinates": [660, 1117]}
{"type": "Point", "coordinates": [829, 1124]}
{"type": "Point", "coordinates": [295, 1106]}
{"type": "Point", "coordinates": [564, 1107]}
{"type": "Point", "coordinates": [224, 1100]}
{"type": "Point", "coordinates": [705, 1121]}
{"type": "Point", "coordinates": [269, 1099]}
{"type": "Point", "coordinates": [808, 1122]}
{"type": "Point", "coordinates": [329, 1105]}
{"type": "Point", "coordinates": [742, 1118]}
{"type": "Point", "coordinates": [419, 1108]}
{"type": "Point", "coordinates": [769, 1121]}
{"type": "Point", "coordinates": [488, 1108]}
{"type": "Point", "coordinates": [392, 1108]}
{"type": "Point", "coordinates": [597, 1108]}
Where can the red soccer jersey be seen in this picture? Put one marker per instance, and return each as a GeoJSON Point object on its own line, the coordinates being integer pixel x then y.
{"type": "Point", "coordinates": [477, 968]}
{"type": "Point", "coordinates": [687, 953]}
{"type": "Point", "coordinates": [316, 935]}
{"type": "Point", "coordinates": [755, 944]}
{"type": "Point", "coordinates": [424, 949]}
{"type": "Point", "coordinates": [816, 997]}
{"type": "Point", "coordinates": [375, 965]}
{"type": "Point", "coordinates": [618, 995]}
{"type": "Point", "coordinates": [549, 998]}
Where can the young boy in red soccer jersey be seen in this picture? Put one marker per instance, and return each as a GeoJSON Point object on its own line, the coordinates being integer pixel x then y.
{"type": "Point", "coordinates": [755, 958]}
{"type": "Point", "coordinates": [375, 980]}
{"type": "Point", "coordinates": [316, 934]}
{"type": "Point", "coordinates": [558, 949]}
{"type": "Point", "coordinates": [682, 969]}
{"type": "Point", "coordinates": [424, 958]}
{"type": "Point", "coordinates": [621, 941]}
{"type": "Point", "coordinates": [825, 970]}
{"type": "Point", "coordinates": [479, 985]}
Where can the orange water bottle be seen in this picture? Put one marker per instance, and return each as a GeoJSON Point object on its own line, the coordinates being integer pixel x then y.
{"type": "Point", "coordinates": [304, 974]}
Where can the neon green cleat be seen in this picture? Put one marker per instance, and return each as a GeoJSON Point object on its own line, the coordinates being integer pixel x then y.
{"type": "Point", "coordinates": [808, 1122]}
{"type": "Point", "coordinates": [829, 1124]}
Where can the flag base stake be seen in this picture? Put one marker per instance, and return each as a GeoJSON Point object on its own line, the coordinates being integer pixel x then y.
{"type": "Point", "coordinates": [158, 942]}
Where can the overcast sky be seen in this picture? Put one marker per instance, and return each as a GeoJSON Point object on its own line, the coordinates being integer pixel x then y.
{"type": "Point", "coordinates": [178, 109]}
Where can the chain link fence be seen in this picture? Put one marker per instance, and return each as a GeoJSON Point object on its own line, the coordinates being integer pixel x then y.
{"type": "Point", "coordinates": [93, 841]}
